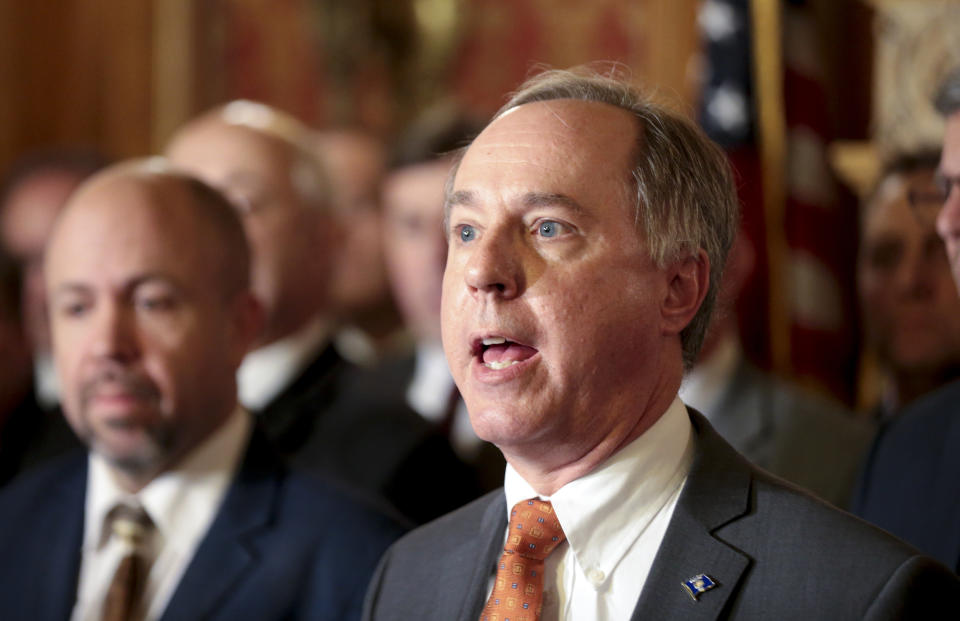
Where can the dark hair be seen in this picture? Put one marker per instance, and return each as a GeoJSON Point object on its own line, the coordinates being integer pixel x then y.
{"type": "Point", "coordinates": [10, 280]}
{"type": "Point", "coordinates": [439, 131]}
{"type": "Point", "coordinates": [78, 162]}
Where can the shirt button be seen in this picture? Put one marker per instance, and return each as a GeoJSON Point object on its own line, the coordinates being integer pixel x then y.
{"type": "Point", "coordinates": [595, 576]}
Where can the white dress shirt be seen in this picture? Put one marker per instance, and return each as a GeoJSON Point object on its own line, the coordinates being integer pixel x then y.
{"type": "Point", "coordinates": [429, 392]}
{"type": "Point", "coordinates": [182, 504]}
{"type": "Point", "coordinates": [614, 520]}
{"type": "Point", "coordinates": [46, 383]}
{"type": "Point", "coordinates": [269, 370]}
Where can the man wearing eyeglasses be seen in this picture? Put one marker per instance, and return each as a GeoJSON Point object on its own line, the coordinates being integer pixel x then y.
{"type": "Point", "coordinates": [911, 481]}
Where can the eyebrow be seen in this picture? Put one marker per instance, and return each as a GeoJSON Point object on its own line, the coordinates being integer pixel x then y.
{"type": "Point", "coordinates": [147, 278]}
{"type": "Point", "coordinates": [468, 198]}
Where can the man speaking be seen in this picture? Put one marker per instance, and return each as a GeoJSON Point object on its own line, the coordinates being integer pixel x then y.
{"type": "Point", "coordinates": [586, 231]}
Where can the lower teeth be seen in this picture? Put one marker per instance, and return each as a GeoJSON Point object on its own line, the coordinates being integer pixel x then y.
{"type": "Point", "coordinates": [499, 365]}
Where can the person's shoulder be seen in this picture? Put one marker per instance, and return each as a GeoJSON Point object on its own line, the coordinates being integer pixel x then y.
{"type": "Point", "coordinates": [930, 418]}
{"type": "Point", "coordinates": [35, 486]}
{"type": "Point", "coordinates": [462, 524]}
{"type": "Point", "coordinates": [793, 539]}
{"type": "Point", "coordinates": [315, 506]}
{"type": "Point", "coordinates": [49, 496]}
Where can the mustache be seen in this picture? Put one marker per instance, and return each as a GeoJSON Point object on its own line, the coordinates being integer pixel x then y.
{"type": "Point", "coordinates": [115, 378]}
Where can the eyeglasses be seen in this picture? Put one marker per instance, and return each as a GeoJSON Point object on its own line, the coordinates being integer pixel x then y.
{"type": "Point", "coordinates": [927, 200]}
{"type": "Point", "coordinates": [945, 184]}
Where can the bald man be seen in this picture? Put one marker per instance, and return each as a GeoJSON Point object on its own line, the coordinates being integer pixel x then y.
{"type": "Point", "coordinates": [313, 407]}
{"type": "Point", "coordinates": [151, 314]}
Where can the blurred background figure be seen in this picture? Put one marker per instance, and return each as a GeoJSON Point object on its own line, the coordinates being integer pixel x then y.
{"type": "Point", "coordinates": [415, 247]}
{"type": "Point", "coordinates": [910, 485]}
{"type": "Point", "coordinates": [308, 399]}
{"type": "Point", "coordinates": [804, 438]}
{"type": "Point", "coordinates": [257, 156]}
{"type": "Point", "coordinates": [34, 191]}
{"type": "Point", "coordinates": [909, 303]}
{"type": "Point", "coordinates": [356, 161]}
{"type": "Point", "coordinates": [28, 434]}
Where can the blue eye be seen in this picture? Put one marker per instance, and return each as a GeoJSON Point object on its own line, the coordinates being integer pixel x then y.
{"type": "Point", "coordinates": [549, 228]}
{"type": "Point", "coordinates": [467, 233]}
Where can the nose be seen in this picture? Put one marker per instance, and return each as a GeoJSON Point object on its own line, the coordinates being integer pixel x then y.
{"type": "Point", "coordinates": [948, 218]}
{"type": "Point", "coordinates": [496, 265]}
{"type": "Point", "coordinates": [114, 336]}
{"type": "Point", "coordinates": [915, 275]}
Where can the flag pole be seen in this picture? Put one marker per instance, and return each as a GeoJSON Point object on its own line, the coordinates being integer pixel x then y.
{"type": "Point", "coordinates": [767, 46]}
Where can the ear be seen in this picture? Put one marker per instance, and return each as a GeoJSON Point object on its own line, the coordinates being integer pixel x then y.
{"type": "Point", "coordinates": [248, 323]}
{"type": "Point", "coordinates": [687, 284]}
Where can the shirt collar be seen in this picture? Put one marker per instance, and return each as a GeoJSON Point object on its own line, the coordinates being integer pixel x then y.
{"type": "Point", "coordinates": [604, 512]}
{"type": "Point", "coordinates": [429, 390]}
{"type": "Point", "coordinates": [181, 502]}
{"type": "Point", "coordinates": [269, 370]}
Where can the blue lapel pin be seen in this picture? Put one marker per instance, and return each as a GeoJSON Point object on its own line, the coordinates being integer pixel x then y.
{"type": "Point", "coordinates": [699, 584]}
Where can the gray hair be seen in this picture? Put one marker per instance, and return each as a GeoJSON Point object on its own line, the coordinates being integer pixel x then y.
{"type": "Point", "coordinates": [947, 100]}
{"type": "Point", "coordinates": [685, 197]}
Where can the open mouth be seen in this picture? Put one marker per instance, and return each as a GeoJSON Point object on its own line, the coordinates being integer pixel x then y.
{"type": "Point", "coordinates": [498, 352]}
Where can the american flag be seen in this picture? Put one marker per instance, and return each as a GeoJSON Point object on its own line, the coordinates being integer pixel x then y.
{"type": "Point", "coordinates": [819, 257]}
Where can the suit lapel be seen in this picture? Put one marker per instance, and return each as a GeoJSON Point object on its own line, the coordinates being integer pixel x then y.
{"type": "Point", "coordinates": [57, 567]}
{"type": "Point", "coordinates": [228, 551]}
{"type": "Point", "coordinates": [488, 548]}
{"type": "Point", "coordinates": [716, 493]}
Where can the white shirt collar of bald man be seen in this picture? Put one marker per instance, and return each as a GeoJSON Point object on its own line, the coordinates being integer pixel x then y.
{"type": "Point", "coordinates": [182, 503]}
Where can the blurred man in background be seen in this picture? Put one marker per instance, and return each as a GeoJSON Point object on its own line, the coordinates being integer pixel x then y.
{"type": "Point", "coordinates": [910, 306]}
{"type": "Point", "coordinates": [369, 322]}
{"type": "Point", "coordinates": [796, 434]}
{"type": "Point", "coordinates": [28, 434]}
{"type": "Point", "coordinates": [305, 395]}
{"type": "Point", "coordinates": [34, 191]}
{"type": "Point", "coordinates": [416, 250]}
{"type": "Point", "coordinates": [180, 509]}
{"type": "Point", "coordinates": [911, 480]}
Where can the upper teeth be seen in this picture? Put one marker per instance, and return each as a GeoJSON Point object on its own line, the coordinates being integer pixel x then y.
{"type": "Point", "coordinates": [494, 340]}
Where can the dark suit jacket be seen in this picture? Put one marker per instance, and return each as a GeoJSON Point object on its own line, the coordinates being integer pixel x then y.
{"type": "Point", "coordinates": [30, 436]}
{"type": "Point", "coordinates": [775, 552]}
{"type": "Point", "coordinates": [803, 438]}
{"type": "Point", "coordinates": [391, 379]}
{"type": "Point", "coordinates": [282, 546]}
{"type": "Point", "coordinates": [339, 420]}
{"type": "Point", "coordinates": [911, 480]}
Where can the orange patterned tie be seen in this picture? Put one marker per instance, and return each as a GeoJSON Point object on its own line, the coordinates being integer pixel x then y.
{"type": "Point", "coordinates": [534, 533]}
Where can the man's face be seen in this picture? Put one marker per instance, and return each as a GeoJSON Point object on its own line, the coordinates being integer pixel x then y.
{"type": "Point", "coordinates": [910, 302]}
{"type": "Point", "coordinates": [27, 221]}
{"type": "Point", "coordinates": [547, 267]}
{"type": "Point", "coordinates": [948, 220]}
{"type": "Point", "coordinates": [414, 243]}
{"type": "Point", "coordinates": [145, 342]}
{"type": "Point", "coordinates": [355, 163]}
{"type": "Point", "coordinates": [291, 248]}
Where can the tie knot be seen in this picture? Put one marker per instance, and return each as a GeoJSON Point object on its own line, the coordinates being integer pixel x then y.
{"type": "Point", "coordinates": [534, 529]}
{"type": "Point", "coordinates": [130, 523]}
